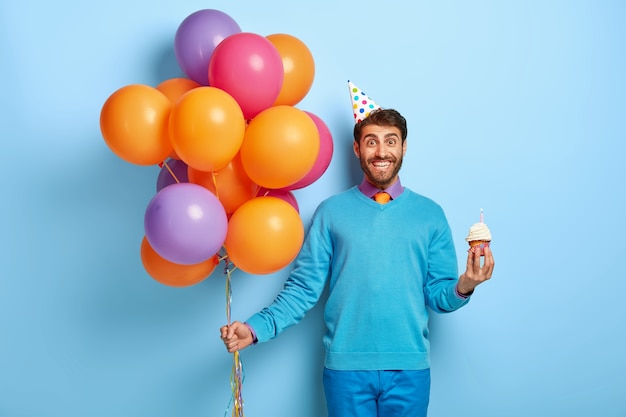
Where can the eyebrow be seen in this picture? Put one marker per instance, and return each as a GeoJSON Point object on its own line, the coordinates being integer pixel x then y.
{"type": "Point", "coordinates": [388, 135]}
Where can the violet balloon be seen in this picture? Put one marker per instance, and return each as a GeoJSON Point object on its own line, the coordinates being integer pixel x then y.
{"type": "Point", "coordinates": [196, 39]}
{"type": "Point", "coordinates": [185, 223]}
{"type": "Point", "coordinates": [179, 170]}
{"type": "Point", "coordinates": [249, 68]}
{"type": "Point", "coordinates": [324, 156]}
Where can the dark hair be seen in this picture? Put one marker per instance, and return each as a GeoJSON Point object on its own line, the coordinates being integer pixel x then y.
{"type": "Point", "coordinates": [382, 117]}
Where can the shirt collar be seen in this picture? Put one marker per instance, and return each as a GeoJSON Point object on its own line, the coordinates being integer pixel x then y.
{"type": "Point", "coordinates": [369, 190]}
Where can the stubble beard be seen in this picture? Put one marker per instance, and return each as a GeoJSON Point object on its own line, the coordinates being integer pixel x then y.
{"type": "Point", "coordinates": [381, 179]}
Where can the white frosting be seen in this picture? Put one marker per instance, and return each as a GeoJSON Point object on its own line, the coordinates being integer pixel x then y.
{"type": "Point", "coordinates": [478, 231]}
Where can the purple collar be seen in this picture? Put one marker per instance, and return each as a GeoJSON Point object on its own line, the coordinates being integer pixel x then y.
{"type": "Point", "coordinates": [369, 190]}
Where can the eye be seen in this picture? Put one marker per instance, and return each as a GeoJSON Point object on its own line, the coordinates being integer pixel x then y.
{"type": "Point", "coordinates": [392, 141]}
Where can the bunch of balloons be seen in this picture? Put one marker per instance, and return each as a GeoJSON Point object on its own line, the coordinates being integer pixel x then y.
{"type": "Point", "coordinates": [231, 145]}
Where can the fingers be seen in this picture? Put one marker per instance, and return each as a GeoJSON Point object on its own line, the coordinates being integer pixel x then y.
{"type": "Point", "coordinates": [234, 336]}
{"type": "Point", "coordinates": [476, 272]}
{"type": "Point", "coordinates": [230, 338]}
{"type": "Point", "coordinates": [476, 260]}
{"type": "Point", "coordinates": [230, 331]}
{"type": "Point", "coordinates": [470, 260]}
{"type": "Point", "coordinates": [223, 332]}
{"type": "Point", "coordinates": [489, 263]}
{"type": "Point", "coordinates": [232, 346]}
{"type": "Point", "coordinates": [473, 261]}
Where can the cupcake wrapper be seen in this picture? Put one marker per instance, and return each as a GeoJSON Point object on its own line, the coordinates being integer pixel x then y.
{"type": "Point", "coordinates": [478, 245]}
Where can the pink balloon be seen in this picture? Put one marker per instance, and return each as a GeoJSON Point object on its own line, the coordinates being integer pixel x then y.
{"type": "Point", "coordinates": [249, 68]}
{"type": "Point", "coordinates": [283, 194]}
{"type": "Point", "coordinates": [323, 158]}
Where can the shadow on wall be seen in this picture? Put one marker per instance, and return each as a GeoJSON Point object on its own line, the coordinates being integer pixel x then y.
{"type": "Point", "coordinates": [165, 64]}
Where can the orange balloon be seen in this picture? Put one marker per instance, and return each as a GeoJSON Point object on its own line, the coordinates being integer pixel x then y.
{"type": "Point", "coordinates": [173, 155]}
{"type": "Point", "coordinates": [176, 87]}
{"type": "Point", "coordinates": [172, 274]}
{"type": "Point", "coordinates": [134, 124]}
{"type": "Point", "coordinates": [280, 146]}
{"type": "Point", "coordinates": [206, 128]}
{"type": "Point", "coordinates": [264, 235]}
{"type": "Point", "coordinates": [231, 185]}
{"type": "Point", "coordinates": [299, 68]}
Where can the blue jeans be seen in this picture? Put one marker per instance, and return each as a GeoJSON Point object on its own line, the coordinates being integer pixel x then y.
{"type": "Point", "coordinates": [377, 393]}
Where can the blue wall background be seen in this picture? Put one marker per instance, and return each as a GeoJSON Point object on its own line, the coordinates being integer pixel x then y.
{"type": "Point", "coordinates": [516, 107]}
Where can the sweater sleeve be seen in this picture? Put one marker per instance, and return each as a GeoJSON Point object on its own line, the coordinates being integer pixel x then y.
{"type": "Point", "coordinates": [302, 288]}
{"type": "Point", "coordinates": [442, 278]}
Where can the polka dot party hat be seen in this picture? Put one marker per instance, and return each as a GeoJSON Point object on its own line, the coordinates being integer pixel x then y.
{"type": "Point", "coordinates": [361, 103]}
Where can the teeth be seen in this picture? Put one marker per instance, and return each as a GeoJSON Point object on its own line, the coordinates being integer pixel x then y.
{"type": "Point", "coordinates": [381, 164]}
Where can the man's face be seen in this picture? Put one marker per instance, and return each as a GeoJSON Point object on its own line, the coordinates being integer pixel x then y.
{"type": "Point", "coordinates": [380, 150]}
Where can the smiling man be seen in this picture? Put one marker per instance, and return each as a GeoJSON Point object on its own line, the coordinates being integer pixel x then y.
{"type": "Point", "coordinates": [388, 257]}
{"type": "Point", "coordinates": [381, 148]}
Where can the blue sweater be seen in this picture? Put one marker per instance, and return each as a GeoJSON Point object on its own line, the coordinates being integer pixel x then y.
{"type": "Point", "coordinates": [385, 265]}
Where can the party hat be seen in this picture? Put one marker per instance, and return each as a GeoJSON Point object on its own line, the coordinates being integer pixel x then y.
{"type": "Point", "coordinates": [361, 103]}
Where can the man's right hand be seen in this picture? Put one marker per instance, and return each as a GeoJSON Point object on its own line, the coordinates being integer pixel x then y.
{"type": "Point", "coordinates": [236, 337]}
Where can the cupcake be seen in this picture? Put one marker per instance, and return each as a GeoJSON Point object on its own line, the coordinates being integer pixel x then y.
{"type": "Point", "coordinates": [478, 237]}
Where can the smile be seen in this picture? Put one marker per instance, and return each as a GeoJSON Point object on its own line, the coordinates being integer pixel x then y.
{"type": "Point", "coordinates": [381, 164]}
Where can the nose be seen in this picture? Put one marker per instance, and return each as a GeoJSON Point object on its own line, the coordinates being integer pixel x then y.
{"type": "Point", "coordinates": [381, 150]}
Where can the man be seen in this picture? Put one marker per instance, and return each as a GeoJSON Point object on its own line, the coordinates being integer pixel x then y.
{"type": "Point", "coordinates": [386, 265]}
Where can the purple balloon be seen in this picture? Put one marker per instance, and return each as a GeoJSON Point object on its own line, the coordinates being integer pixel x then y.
{"type": "Point", "coordinates": [196, 39]}
{"type": "Point", "coordinates": [185, 223]}
{"type": "Point", "coordinates": [165, 178]}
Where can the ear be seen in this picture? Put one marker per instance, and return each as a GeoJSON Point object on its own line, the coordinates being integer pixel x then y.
{"type": "Point", "coordinates": [404, 148]}
{"type": "Point", "coordinates": [356, 148]}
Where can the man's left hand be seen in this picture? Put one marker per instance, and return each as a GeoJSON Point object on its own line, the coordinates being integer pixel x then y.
{"type": "Point", "coordinates": [475, 274]}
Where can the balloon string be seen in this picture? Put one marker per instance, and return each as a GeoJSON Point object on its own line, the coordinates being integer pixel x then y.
{"type": "Point", "coordinates": [229, 291]}
{"type": "Point", "coordinates": [214, 178]}
{"type": "Point", "coordinates": [171, 172]}
{"type": "Point", "coordinates": [237, 375]}
{"type": "Point", "coordinates": [236, 382]}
